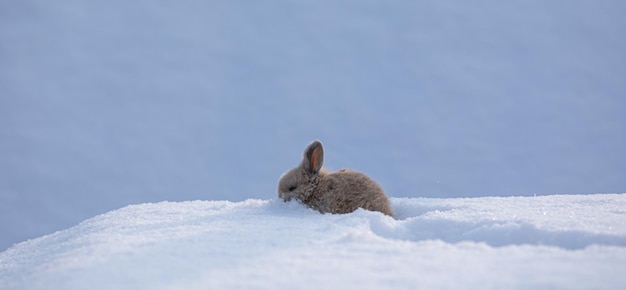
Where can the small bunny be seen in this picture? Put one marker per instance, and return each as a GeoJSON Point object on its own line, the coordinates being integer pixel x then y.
{"type": "Point", "coordinates": [338, 192]}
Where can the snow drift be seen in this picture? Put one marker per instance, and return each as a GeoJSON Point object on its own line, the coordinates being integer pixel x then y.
{"type": "Point", "coordinates": [573, 242]}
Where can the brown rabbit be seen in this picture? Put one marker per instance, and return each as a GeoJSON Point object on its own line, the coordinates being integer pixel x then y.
{"type": "Point", "coordinates": [339, 192]}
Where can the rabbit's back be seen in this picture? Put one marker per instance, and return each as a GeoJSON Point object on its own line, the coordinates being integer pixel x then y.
{"type": "Point", "coordinates": [345, 191]}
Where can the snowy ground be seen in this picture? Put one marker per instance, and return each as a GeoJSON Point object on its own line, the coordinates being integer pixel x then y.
{"type": "Point", "coordinates": [548, 242]}
{"type": "Point", "coordinates": [104, 104]}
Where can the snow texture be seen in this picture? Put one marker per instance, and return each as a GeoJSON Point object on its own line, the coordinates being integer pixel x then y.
{"type": "Point", "coordinates": [547, 242]}
{"type": "Point", "coordinates": [109, 103]}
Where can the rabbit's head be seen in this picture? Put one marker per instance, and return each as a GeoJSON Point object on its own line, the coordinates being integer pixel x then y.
{"type": "Point", "coordinates": [300, 182]}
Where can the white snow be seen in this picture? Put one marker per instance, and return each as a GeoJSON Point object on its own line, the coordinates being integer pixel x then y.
{"type": "Point", "coordinates": [547, 242]}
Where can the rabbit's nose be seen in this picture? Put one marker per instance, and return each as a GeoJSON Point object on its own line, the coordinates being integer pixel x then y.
{"type": "Point", "coordinates": [285, 196]}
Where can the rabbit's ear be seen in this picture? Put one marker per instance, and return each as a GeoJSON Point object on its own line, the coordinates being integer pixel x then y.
{"type": "Point", "coordinates": [313, 157]}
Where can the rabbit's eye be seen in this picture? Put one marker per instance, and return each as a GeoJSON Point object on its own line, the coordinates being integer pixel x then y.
{"type": "Point", "coordinates": [292, 188]}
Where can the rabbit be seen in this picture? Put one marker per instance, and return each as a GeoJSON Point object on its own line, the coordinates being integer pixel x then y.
{"type": "Point", "coordinates": [338, 192]}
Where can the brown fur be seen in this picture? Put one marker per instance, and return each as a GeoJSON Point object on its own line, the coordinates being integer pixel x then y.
{"type": "Point", "coordinates": [339, 192]}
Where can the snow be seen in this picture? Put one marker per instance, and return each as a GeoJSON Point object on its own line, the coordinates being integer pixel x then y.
{"type": "Point", "coordinates": [544, 242]}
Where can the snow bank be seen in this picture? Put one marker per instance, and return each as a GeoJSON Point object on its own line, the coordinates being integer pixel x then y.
{"type": "Point", "coordinates": [573, 242]}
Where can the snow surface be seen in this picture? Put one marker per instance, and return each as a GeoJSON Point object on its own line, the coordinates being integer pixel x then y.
{"type": "Point", "coordinates": [547, 242]}
{"type": "Point", "coordinates": [109, 103]}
